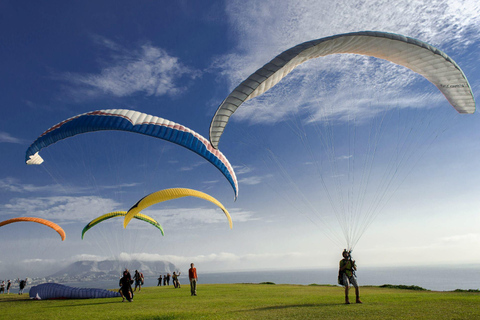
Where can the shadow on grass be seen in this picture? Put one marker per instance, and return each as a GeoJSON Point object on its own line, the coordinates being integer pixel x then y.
{"type": "Point", "coordinates": [309, 305]}
{"type": "Point", "coordinates": [14, 299]}
{"type": "Point", "coordinates": [163, 317]}
{"type": "Point", "coordinates": [84, 304]}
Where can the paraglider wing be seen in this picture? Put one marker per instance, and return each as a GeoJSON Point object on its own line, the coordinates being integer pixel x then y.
{"type": "Point", "coordinates": [133, 121]}
{"type": "Point", "coordinates": [170, 194]}
{"type": "Point", "coordinates": [416, 55]}
{"type": "Point", "coordinates": [110, 215]}
{"type": "Point", "coordinates": [47, 291]}
{"type": "Point", "coordinates": [50, 224]}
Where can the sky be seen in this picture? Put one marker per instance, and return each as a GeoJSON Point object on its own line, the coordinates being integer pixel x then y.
{"type": "Point", "coordinates": [299, 151]}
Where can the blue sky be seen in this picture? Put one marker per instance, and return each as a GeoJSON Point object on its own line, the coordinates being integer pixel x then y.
{"type": "Point", "coordinates": [179, 60]}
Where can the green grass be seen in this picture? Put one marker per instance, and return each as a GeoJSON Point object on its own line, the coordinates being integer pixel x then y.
{"type": "Point", "coordinates": [252, 301]}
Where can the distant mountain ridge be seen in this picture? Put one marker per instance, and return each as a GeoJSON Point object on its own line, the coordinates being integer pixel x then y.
{"type": "Point", "coordinates": [88, 270]}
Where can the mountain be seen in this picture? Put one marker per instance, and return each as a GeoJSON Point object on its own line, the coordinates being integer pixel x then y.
{"type": "Point", "coordinates": [110, 269]}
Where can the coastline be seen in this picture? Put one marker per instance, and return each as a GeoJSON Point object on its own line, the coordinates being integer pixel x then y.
{"type": "Point", "coordinates": [439, 278]}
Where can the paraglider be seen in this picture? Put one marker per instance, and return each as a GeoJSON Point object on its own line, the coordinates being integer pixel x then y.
{"type": "Point", "coordinates": [169, 194]}
{"type": "Point", "coordinates": [110, 215]}
{"type": "Point", "coordinates": [50, 224]}
{"type": "Point", "coordinates": [357, 174]}
{"type": "Point", "coordinates": [137, 122]}
{"type": "Point", "coordinates": [47, 291]}
{"type": "Point", "coordinates": [422, 58]}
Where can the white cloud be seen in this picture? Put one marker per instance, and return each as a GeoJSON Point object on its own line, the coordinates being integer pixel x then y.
{"type": "Point", "coordinates": [251, 180]}
{"type": "Point", "coordinates": [7, 138]}
{"type": "Point", "coordinates": [63, 208]}
{"type": "Point", "coordinates": [148, 69]}
{"type": "Point", "coordinates": [339, 82]}
{"type": "Point", "coordinates": [463, 238]}
{"type": "Point", "coordinates": [221, 257]}
{"type": "Point", "coordinates": [14, 185]}
{"type": "Point", "coordinates": [242, 169]}
{"type": "Point", "coordinates": [191, 217]}
{"type": "Point", "coordinates": [193, 166]}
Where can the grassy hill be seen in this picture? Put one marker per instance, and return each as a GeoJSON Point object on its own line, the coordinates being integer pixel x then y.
{"type": "Point", "coordinates": [253, 301]}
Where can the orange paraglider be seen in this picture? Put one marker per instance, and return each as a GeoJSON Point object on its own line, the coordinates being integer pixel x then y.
{"type": "Point", "coordinates": [50, 224]}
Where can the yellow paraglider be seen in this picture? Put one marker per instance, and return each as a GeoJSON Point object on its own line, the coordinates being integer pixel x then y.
{"type": "Point", "coordinates": [169, 194]}
{"type": "Point", "coordinates": [50, 224]}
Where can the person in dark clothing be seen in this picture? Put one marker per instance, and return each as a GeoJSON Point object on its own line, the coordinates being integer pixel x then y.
{"type": "Point", "coordinates": [126, 286]}
{"type": "Point", "coordinates": [159, 281]}
{"type": "Point", "coordinates": [9, 284]}
{"type": "Point", "coordinates": [23, 283]}
{"type": "Point", "coordinates": [346, 275]}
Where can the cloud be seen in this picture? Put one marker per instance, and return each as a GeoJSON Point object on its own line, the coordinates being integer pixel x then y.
{"type": "Point", "coordinates": [121, 185]}
{"type": "Point", "coordinates": [463, 238]}
{"type": "Point", "coordinates": [344, 157]}
{"type": "Point", "coordinates": [62, 208]}
{"type": "Point", "coordinates": [221, 257]}
{"type": "Point", "coordinates": [14, 185]}
{"type": "Point", "coordinates": [339, 83]}
{"type": "Point", "coordinates": [147, 69]}
{"type": "Point", "coordinates": [193, 217]}
{"type": "Point", "coordinates": [7, 138]}
{"type": "Point", "coordinates": [239, 170]}
{"type": "Point", "coordinates": [251, 180]}
{"type": "Point", "coordinates": [193, 166]}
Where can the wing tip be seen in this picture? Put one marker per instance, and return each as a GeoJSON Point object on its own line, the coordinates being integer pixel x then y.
{"type": "Point", "coordinates": [34, 159]}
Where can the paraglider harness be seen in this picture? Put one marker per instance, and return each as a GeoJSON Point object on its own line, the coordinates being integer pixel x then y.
{"type": "Point", "coordinates": [341, 272]}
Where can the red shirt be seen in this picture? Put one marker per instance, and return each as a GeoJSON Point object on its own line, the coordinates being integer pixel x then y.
{"type": "Point", "coordinates": [192, 273]}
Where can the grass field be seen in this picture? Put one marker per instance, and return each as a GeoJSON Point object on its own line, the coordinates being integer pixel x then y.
{"type": "Point", "coordinates": [252, 301]}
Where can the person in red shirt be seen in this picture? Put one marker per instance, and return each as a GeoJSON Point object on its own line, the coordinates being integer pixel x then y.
{"type": "Point", "coordinates": [192, 276]}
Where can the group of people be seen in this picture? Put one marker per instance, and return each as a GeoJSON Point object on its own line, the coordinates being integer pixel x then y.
{"type": "Point", "coordinates": [5, 287]}
{"type": "Point", "coordinates": [346, 277]}
{"type": "Point", "coordinates": [2, 287]}
{"type": "Point", "coordinates": [126, 282]}
{"type": "Point", "coordinates": [165, 279]}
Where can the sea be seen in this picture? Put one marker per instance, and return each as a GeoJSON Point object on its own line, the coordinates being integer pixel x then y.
{"type": "Point", "coordinates": [434, 278]}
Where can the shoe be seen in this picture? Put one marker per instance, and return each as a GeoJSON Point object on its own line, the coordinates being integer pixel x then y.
{"type": "Point", "coordinates": [358, 301]}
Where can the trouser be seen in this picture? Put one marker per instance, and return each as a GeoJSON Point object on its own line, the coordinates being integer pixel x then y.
{"type": "Point", "coordinates": [193, 286]}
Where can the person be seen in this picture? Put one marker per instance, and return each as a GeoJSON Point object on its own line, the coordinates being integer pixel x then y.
{"type": "Point", "coordinates": [168, 279]}
{"type": "Point", "coordinates": [164, 280]}
{"type": "Point", "coordinates": [9, 284]}
{"type": "Point", "coordinates": [2, 287]}
{"type": "Point", "coordinates": [138, 277]}
{"type": "Point", "coordinates": [192, 276]}
{"type": "Point", "coordinates": [125, 284]}
{"type": "Point", "coordinates": [346, 275]}
{"type": "Point", "coordinates": [176, 283]}
{"type": "Point", "coordinates": [23, 283]}
{"type": "Point", "coordinates": [159, 281]}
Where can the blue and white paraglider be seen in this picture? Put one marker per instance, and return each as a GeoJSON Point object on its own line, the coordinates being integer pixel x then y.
{"type": "Point", "coordinates": [59, 291]}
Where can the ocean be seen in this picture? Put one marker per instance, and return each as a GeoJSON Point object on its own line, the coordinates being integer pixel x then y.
{"type": "Point", "coordinates": [436, 278]}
